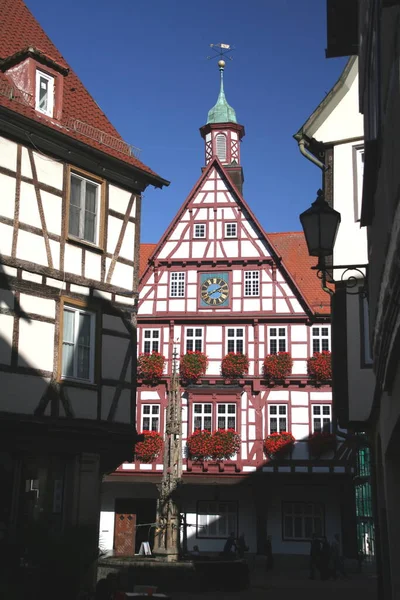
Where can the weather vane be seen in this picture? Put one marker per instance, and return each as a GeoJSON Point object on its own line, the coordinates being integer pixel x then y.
{"type": "Point", "coordinates": [221, 50]}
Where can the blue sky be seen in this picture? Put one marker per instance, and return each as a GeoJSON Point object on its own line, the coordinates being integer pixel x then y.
{"type": "Point", "coordinates": [145, 63]}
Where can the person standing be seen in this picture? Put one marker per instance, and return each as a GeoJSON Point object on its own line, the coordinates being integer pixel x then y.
{"type": "Point", "coordinates": [337, 558]}
{"type": "Point", "coordinates": [315, 555]}
{"type": "Point", "coordinates": [230, 545]}
{"type": "Point", "coordinates": [241, 546]}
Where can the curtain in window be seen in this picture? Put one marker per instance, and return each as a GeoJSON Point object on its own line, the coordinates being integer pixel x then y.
{"type": "Point", "coordinates": [83, 359]}
{"type": "Point", "coordinates": [68, 344]}
{"type": "Point", "coordinates": [90, 212]}
{"type": "Point", "coordinates": [75, 206]}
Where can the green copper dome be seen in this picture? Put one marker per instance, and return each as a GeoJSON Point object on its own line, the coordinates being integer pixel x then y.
{"type": "Point", "coordinates": [221, 112]}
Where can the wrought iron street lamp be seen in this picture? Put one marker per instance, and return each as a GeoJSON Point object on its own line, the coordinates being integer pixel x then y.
{"type": "Point", "coordinates": [320, 225]}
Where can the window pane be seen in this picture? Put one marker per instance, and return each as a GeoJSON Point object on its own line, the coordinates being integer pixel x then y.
{"type": "Point", "coordinates": [282, 410]}
{"type": "Point", "coordinates": [90, 212]}
{"type": "Point", "coordinates": [317, 425]}
{"type": "Point", "coordinates": [316, 410]}
{"type": "Point", "coordinates": [75, 206]}
{"type": "Point", "coordinates": [324, 331]}
{"type": "Point", "coordinates": [315, 346]}
{"type": "Point", "coordinates": [273, 425]}
{"type": "Point", "coordinates": [221, 422]}
{"type": "Point", "coordinates": [288, 527]}
{"type": "Point", "coordinates": [231, 346]}
{"type": "Point", "coordinates": [232, 408]}
{"type": "Point", "coordinates": [154, 424]}
{"type": "Point", "coordinates": [282, 345]}
{"type": "Point", "coordinates": [197, 423]}
{"type": "Point", "coordinates": [189, 345]}
{"type": "Point", "coordinates": [207, 423]}
{"type": "Point", "coordinates": [155, 409]}
{"type": "Point", "coordinates": [147, 333]}
{"type": "Point", "coordinates": [308, 527]}
{"type": "Point", "coordinates": [281, 331]}
{"type": "Point", "coordinates": [83, 363]}
{"type": "Point", "coordinates": [221, 408]}
{"type": "Point", "coordinates": [147, 347]}
{"type": "Point", "coordinates": [43, 94]}
{"type": "Point", "coordinates": [272, 331]}
{"type": "Point", "coordinates": [326, 410]}
{"type": "Point", "coordinates": [272, 410]}
{"type": "Point", "coordinates": [315, 331]}
{"type": "Point", "coordinates": [198, 346]}
{"type": "Point", "coordinates": [298, 527]}
{"type": "Point", "coordinates": [68, 343]}
{"type": "Point", "coordinates": [146, 409]}
{"type": "Point", "coordinates": [231, 422]}
{"type": "Point", "coordinates": [231, 332]}
{"type": "Point", "coordinates": [197, 408]}
{"type": "Point", "coordinates": [282, 424]}
{"type": "Point", "coordinates": [239, 345]}
{"type": "Point", "coordinates": [207, 408]}
{"type": "Point", "coordinates": [189, 332]}
{"type": "Point", "coordinates": [198, 332]}
{"type": "Point", "coordinates": [146, 424]}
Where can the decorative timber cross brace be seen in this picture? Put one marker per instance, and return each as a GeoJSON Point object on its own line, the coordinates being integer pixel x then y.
{"type": "Point", "coordinates": [168, 519]}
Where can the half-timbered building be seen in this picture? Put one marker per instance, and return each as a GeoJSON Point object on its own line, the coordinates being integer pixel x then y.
{"type": "Point", "coordinates": [217, 283]}
{"type": "Point", "coordinates": [69, 241]}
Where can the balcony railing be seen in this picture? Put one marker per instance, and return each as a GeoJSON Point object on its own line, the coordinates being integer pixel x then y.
{"type": "Point", "coordinates": [71, 124]}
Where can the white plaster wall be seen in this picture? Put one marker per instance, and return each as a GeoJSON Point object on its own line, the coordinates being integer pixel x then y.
{"type": "Point", "coordinates": [35, 335]}
{"type": "Point", "coordinates": [31, 247]}
{"type": "Point", "coordinates": [345, 121]}
{"type": "Point", "coordinates": [21, 393]}
{"type": "Point", "coordinates": [37, 305]}
{"type": "Point", "coordinates": [6, 329]}
{"type": "Point", "coordinates": [49, 171]}
{"type": "Point", "coordinates": [118, 200]}
{"type": "Point", "coordinates": [52, 206]}
{"type": "Point", "coordinates": [8, 154]}
{"type": "Point", "coordinates": [83, 402]}
{"type": "Point", "coordinates": [351, 241]}
{"type": "Point", "coordinates": [113, 355]}
{"type": "Point", "coordinates": [7, 186]}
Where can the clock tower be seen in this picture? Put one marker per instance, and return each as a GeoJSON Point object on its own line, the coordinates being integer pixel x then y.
{"type": "Point", "coordinates": [222, 135]}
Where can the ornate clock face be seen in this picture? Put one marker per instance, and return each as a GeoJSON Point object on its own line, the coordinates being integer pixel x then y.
{"type": "Point", "coordinates": [214, 289]}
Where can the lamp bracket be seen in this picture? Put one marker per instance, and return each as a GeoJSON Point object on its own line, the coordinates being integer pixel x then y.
{"type": "Point", "coordinates": [354, 276]}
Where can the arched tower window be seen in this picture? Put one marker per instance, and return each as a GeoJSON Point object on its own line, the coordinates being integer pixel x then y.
{"type": "Point", "coordinates": [220, 143]}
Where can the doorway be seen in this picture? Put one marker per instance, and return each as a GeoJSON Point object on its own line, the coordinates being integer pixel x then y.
{"type": "Point", "coordinates": [134, 519]}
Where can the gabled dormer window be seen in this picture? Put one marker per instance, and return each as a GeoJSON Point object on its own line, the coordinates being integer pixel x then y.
{"type": "Point", "coordinates": [44, 98]}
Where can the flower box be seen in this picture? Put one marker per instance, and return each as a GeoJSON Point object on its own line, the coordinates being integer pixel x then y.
{"type": "Point", "coordinates": [319, 366]}
{"type": "Point", "coordinates": [234, 365]}
{"type": "Point", "coordinates": [278, 444]}
{"type": "Point", "coordinates": [278, 366]}
{"type": "Point", "coordinates": [148, 450]}
{"type": "Point", "coordinates": [193, 365]}
{"type": "Point", "coordinates": [225, 443]}
{"type": "Point", "coordinates": [220, 445]}
{"type": "Point", "coordinates": [321, 442]}
{"type": "Point", "coordinates": [199, 444]}
{"type": "Point", "coordinates": [150, 367]}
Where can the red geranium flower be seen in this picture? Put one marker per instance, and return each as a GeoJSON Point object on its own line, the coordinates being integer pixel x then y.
{"type": "Point", "coordinates": [234, 364]}
{"type": "Point", "coordinates": [278, 442]}
{"type": "Point", "coordinates": [193, 365]}
{"type": "Point", "coordinates": [150, 448]}
{"type": "Point", "coordinates": [319, 366]}
{"type": "Point", "coordinates": [278, 366]}
{"type": "Point", "coordinates": [151, 366]}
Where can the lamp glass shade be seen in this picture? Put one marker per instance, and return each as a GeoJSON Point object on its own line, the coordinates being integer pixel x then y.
{"type": "Point", "coordinates": [320, 224]}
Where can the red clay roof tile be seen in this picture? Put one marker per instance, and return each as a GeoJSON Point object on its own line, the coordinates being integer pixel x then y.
{"type": "Point", "coordinates": [146, 250]}
{"type": "Point", "coordinates": [19, 30]}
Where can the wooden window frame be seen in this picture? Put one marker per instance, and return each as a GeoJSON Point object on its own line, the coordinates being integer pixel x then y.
{"type": "Point", "coordinates": [177, 282]}
{"type": "Point", "coordinates": [194, 337]}
{"type": "Point", "coordinates": [358, 151]}
{"type": "Point", "coordinates": [208, 502]}
{"type": "Point", "coordinates": [278, 405]}
{"type": "Point", "coordinates": [230, 237]}
{"type": "Point", "coordinates": [203, 414]}
{"type": "Point", "coordinates": [251, 280]}
{"type": "Point", "coordinates": [284, 513]}
{"type": "Point", "coordinates": [101, 242]}
{"type": "Point", "coordinates": [235, 338]}
{"type": "Point", "coordinates": [97, 351]}
{"type": "Point", "coordinates": [321, 416]}
{"type": "Point", "coordinates": [226, 414]}
{"type": "Point", "coordinates": [278, 337]}
{"type": "Point", "coordinates": [320, 337]}
{"type": "Point", "coordinates": [199, 237]}
{"type": "Point", "coordinates": [150, 339]}
{"type": "Point", "coordinates": [150, 416]}
{"type": "Point", "coordinates": [52, 87]}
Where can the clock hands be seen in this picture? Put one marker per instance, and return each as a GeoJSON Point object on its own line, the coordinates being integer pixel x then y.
{"type": "Point", "coordinates": [208, 294]}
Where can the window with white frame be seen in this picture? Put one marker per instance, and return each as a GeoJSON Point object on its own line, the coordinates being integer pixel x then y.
{"type": "Point", "coordinates": [220, 142]}
{"type": "Point", "coordinates": [78, 344]}
{"type": "Point", "coordinates": [199, 230]}
{"type": "Point", "coordinates": [216, 519]}
{"type": "Point", "coordinates": [151, 340]}
{"type": "Point", "coordinates": [235, 340]}
{"type": "Point", "coordinates": [44, 101]}
{"type": "Point", "coordinates": [202, 416]}
{"type": "Point", "coordinates": [230, 230]}
{"type": "Point", "coordinates": [321, 417]}
{"type": "Point", "coordinates": [277, 418]}
{"type": "Point", "coordinates": [358, 180]}
{"type": "Point", "coordinates": [320, 339]}
{"type": "Point", "coordinates": [226, 416]}
{"type": "Point", "coordinates": [194, 339]}
{"type": "Point", "coordinates": [277, 339]}
{"type": "Point", "coordinates": [150, 417]}
{"type": "Point", "coordinates": [84, 208]}
{"type": "Point", "coordinates": [302, 519]}
{"type": "Point", "coordinates": [252, 283]}
{"type": "Point", "coordinates": [177, 285]}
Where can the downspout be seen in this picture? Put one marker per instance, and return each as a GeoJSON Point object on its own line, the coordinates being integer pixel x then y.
{"type": "Point", "coordinates": [302, 147]}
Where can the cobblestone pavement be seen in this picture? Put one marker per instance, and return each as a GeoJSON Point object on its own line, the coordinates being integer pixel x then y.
{"type": "Point", "coordinates": [285, 587]}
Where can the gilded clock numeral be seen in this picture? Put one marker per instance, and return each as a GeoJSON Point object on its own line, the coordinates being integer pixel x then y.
{"type": "Point", "coordinates": [214, 291]}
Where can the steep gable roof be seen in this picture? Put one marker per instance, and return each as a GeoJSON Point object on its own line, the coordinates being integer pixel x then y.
{"type": "Point", "coordinates": [20, 33]}
{"type": "Point", "coordinates": [289, 250]}
{"type": "Point", "coordinates": [292, 248]}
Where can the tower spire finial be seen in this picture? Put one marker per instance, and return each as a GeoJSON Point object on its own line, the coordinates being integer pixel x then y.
{"type": "Point", "coordinates": [222, 112]}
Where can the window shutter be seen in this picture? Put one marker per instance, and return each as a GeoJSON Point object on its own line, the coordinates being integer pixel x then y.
{"type": "Point", "coordinates": [221, 147]}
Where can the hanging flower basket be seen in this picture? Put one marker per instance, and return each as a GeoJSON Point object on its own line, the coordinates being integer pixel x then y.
{"type": "Point", "coordinates": [193, 365]}
{"type": "Point", "coordinates": [199, 444]}
{"type": "Point", "coordinates": [148, 450]}
{"type": "Point", "coordinates": [278, 366]}
{"type": "Point", "coordinates": [224, 444]}
{"type": "Point", "coordinates": [234, 365]}
{"type": "Point", "coordinates": [150, 367]}
{"type": "Point", "coordinates": [319, 366]}
{"type": "Point", "coordinates": [278, 443]}
{"type": "Point", "coordinates": [321, 442]}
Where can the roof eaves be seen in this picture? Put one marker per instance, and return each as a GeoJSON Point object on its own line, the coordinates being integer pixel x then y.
{"type": "Point", "coordinates": [306, 129]}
